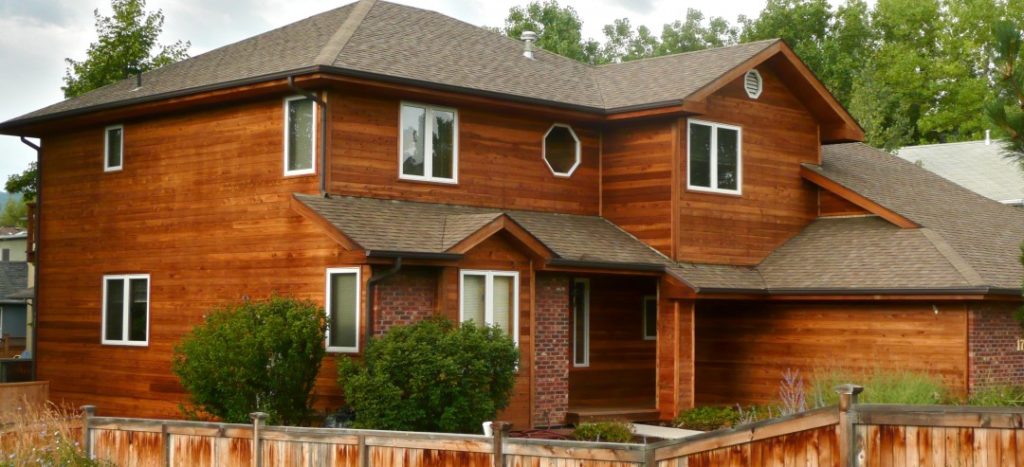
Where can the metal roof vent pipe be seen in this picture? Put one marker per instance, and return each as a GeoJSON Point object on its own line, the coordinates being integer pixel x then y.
{"type": "Point", "coordinates": [988, 137]}
{"type": "Point", "coordinates": [529, 37]}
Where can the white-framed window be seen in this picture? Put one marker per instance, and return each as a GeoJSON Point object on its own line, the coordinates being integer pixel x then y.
{"type": "Point", "coordinates": [714, 160]}
{"type": "Point", "coordinates": [561, 150]}
{"type": "Point", "coordinates": [343, 310]}
{"type": "Point", "coordinates": [490, 298]}
{"type": "Point", "coordinates": [126, 309]}
{"type": "Point", "coordinates": [113, 148]}
{"type": "Point", "coordinates": [299, 135]}
{"type": "Point", "coordinates": [580, 322]}
{"type": "Point", "coordinates": [650, 308]}
{"type": "Point", "coordinates": [428, 147]}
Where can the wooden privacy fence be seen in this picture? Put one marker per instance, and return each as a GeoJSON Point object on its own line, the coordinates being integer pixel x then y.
{"type": "Point", "coordinates": [850, 434]}
{"type": "Point", "coordinates": [15, 396]}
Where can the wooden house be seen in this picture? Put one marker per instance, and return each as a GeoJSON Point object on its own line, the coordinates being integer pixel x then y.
{"type": "Point", "coordinates": [654, 234]}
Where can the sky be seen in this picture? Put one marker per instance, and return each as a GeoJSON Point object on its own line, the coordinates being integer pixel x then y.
{"type": "Point", "coordinates": [37, 35]}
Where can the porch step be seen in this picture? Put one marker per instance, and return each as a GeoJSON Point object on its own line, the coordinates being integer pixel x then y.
{"type": "Point", "coordinates": [600, 414]}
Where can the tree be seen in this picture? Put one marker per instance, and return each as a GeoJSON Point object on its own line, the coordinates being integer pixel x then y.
{"type": "Point", "coordinates": [253, 356]}
{"type": "Point", "coordinates": [1005, 109]}
{"type": "Point", "coordinates": [26, 183]}
{"type": "Point", "coordinates": [15, 213]}
{"type": "Point", "coordinates": [691, 34]}
{"type": "Point", "coordinates": [125, 47]}
{"type": "Point", "coordinates": [559, 29]}
{"type": "Point", "coordinates": [623, 43]}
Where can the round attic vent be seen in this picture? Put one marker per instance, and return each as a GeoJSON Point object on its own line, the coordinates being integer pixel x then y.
{"type": "Point", "coordinates": [753, 83]}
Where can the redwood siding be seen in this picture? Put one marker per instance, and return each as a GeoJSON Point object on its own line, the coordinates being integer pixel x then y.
{"type": "Point", "coordinates": [830, 205]}
{"type": "Point", "coordinates": [778, 135]}
{"type": "Point", "coordinates": [500, 162]}
{"type": "Point", "coordinates": [743, 348]}
{"type": "Point", "coordinates": [994, 335]}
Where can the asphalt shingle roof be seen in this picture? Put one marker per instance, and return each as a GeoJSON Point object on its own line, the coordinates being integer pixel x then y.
{"type": "Point", "coordinates": [385, 40]}
{"type": "Point", "coordinates": [975, 165]}
{"type": "Point", "coordinates": [13, 278]}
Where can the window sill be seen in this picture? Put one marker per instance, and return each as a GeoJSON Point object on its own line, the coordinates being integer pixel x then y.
{"type": "Point", "coordinates": [431, 181]}
{"type": "Point", "coordinates": [125, 344]}
{"type": "Point", "coordinates": [299, 174]}
{"type": "Point", "coordinates": [713, 191]}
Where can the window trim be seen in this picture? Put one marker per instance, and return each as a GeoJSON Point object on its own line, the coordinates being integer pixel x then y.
{"type": "Point", "coordinates": [643, 308]}
{"type": "Point", "coordinates": [714, 157]}
{"type": "Point", "coordinates": [586, 324]}
{"type": "Point", "coordinates": [327, 303]}
{"type": "Point", "coordinates": [125, 312]}
{"type": "Point", "coordinates": [287, 139]}
{"type": "Point", "coordinates": [544, 151]}
{"type": "Point", "coordinates": [106, 149]}
{"type": "Point", "coordinates": [489, 276]}
{"type": "Point", "coordinates": [428, 144]}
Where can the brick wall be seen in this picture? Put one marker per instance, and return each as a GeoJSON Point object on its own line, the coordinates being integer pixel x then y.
{"type": "Point", "coordinates": [552, 350]}
{"type": "Point", "coordinates": [992, 345]}
{"type": "Point", "coordinates": [405, 298]}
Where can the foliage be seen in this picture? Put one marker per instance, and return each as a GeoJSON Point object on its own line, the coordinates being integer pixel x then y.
{"type": "Point", "coordinates": [612, 432]}
{"type": "Point", "coordinates": [15, 213]}
{"type": "Point", "coordinates": [26, 183]}
{"type": "Point", "coordinates": [42, 436]}
{"type": "Point", "coordinates": [253, 356]}
{"type": "Point", "coordinates": [558, 29]}
{"type": "Point", "coordinates": [998, 396]}
{"type": "Point", "coordinates": [882, 386]}
{"type": "Point", "coordinates": [792, 395]}
{"type": "Point", "coordinates": [124, 48]}
{"type": "Point", "coordinates": [707, 418]}
{"type": "Point", "coordinates": [1006, 108]}
{"type": "Point", "coordinates": [431, 376]}
{"type": "Point", "coordinates": [693, 33]}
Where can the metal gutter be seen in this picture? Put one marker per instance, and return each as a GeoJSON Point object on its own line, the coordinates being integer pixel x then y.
{"type": "Point", "coordinates": [38, 257]}
{"type": "Point", "coordinates": [572, 263]}
{"type": "Point", "coordinates": [865, 291]}
{"type": "Point", "coordinates": [413, 255]}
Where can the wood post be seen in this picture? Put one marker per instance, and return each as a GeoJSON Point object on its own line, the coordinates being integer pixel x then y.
{"type": "Point", "coordinates": [850, 454]}
{"type": "Point", "coordinates": [257, 422]}
{"type": "Point", "coordinates": [498, 431]}
{"type": "Point", "coordinates": [88, 411]}
{"type": "Point", "coordinates": [364, 452]}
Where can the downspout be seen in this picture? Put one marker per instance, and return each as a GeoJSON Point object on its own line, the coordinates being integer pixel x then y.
{"type": "Point", "coordinates": [369, 295]}
{"type": "Point", "coordinates": [35, 268]}
{"type": "Point", "coordinates": [323, 131]}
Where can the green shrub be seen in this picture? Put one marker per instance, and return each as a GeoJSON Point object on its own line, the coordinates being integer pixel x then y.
{"type": "Point", "coordinates": [882, 387]}
{"type": "Point", "coordinates": [612, 432]}
{"type": "Point", "coordinates": [431, 376]}
{"type": "Point", "coordinates": [707, 418]}
{"type": "Point", "coordinates": [998, 396]}
{"type": "Point", "coordinates": [254, 356]}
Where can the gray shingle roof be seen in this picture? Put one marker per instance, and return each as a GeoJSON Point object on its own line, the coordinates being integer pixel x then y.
{"type": "Point", "coordinates": [389, 41]}
{"type": "Point", "coordinates": [13, 278]}
{"type": "Point", "coordinates": [974, 165]}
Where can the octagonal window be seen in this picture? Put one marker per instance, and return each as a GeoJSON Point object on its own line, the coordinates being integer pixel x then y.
{"type": "Point", "coordinates": [561, 150]}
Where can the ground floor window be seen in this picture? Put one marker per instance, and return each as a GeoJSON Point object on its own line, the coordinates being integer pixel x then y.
{"type": "Point", "coordinates": [491, 298]}
{"type": "Point", "coordinates": [581, 322]}
{"type": "Point", "coordinates": [126, 309]}
{"type": "Point", "coordinates": [343, 309]}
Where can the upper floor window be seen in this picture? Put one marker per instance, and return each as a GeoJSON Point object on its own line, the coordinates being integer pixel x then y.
{"type": "Point", "coordinates": [715, 160]}
{"type": "Point", "coordinates": [428, 143]}
{"type": "Point", "coordinates": [561, 150]}
{"type": "Point", "coordinates": [126, 309]}
{"type": "Point", "coordinates": [299, 135]}
{"type": "Point", "coordinates": [343, 309]}
{"type": "Point", "coordinates": [491, 298]}
{"type": "Point", "coordinates": [113, 148]}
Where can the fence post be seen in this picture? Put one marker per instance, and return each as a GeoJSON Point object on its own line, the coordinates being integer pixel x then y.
{"type": "Point", "coordinates": [848, 451]}
{"type": "Point", "coordinates": [88, 411]}
{"type": "Point", "coordinates": [257, 422]}
{"type": "Point", "coordinates": [498, 431]}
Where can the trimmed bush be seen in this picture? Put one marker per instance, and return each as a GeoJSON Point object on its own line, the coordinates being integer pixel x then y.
{"type": "Point", "coordinates": [612, 432]}
{"type": "Point", "coordinates": [882, 387]}
{"type": "Point", "coordinates": [431, 376]}
{"type": "Point", "coordinates": [707, 418]}
{"type": "Point", "coordinates": [254, 356]}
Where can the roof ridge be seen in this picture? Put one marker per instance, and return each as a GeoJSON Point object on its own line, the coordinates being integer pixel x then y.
{"type": "Point", "coordinates": [991, 142]}
{"type": "Point", "coordinates": [958, 262]}
{"type": "Point", "coordinates": [341, 36]}
{"type": "Point", "coordinates": [690, 52]}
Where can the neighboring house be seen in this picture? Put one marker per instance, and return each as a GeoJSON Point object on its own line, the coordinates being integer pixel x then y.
{"type": "Point", "coordinates": [653, 234]}
{"type": "Point", "coordinates": [13, 311]}
{"type": "Point", "coordinates": [979, 166]}
{"type": "Point", "coordinates": [13, 244]}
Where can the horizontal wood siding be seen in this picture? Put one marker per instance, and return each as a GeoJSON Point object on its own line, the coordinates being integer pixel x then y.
{"type": "Point", "coordinates": [829, 204]}
{"type": "Point", "coordinates": [636, 180]}
{"type": "Point", "coordinates": [621, 370]}
{"type": "Point", "coordinates": [202, 207]}
{"type": "Point", "coordinates": [743, 348]}
{"type": "Point", "coordinates": [499, 159]}
{"type": "Point", "coordinates": [778, 135]}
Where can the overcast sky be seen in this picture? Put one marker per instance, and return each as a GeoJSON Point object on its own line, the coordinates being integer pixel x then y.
{"type": "Point", "coordinates": [36, 35]}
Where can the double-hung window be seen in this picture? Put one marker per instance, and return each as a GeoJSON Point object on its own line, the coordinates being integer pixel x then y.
{"type": "Point", "coordinates": [580, 322]}
{"type": "Point", "coordinates": [428, 143]}
{"type": "Point", "coordinates": [113, 148]}
{"type": "Point", "coordinates": [299, 135]}
{"type": "Point", "coordinates": [343, 309]}
{"type": "Point", "coordinates": [491, 298]}
{"type": "Point", "coordinates": [126, 309]}
{"type": "Point", "coordinates": [714, 161]}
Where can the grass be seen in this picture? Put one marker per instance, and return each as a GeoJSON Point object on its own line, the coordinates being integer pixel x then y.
{"type": "Point", "coordinates": [881, 387]}
{"type": "Point", "coordinates": [48, 435]}
{"type": "Point", "coordinates": [614, 432]}
{"type": "Point", "coordinates": [998, 396]}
